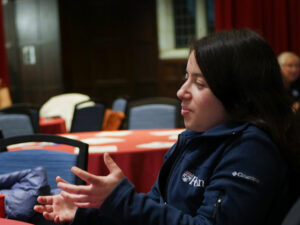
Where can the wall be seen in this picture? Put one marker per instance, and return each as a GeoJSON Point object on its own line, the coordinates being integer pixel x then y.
{"type": "Point", "coordinates": [33, 49]}
{"type": "Point", "coordinates": [101, 48]}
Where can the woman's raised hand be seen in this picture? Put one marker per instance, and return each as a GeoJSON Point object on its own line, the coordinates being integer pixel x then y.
{"type": "Point", "coordinates": [97, 189]}
{"type": "Point", "coordinates": [55, 207]}
{"type": "Point", "coordinates": [61, 208]}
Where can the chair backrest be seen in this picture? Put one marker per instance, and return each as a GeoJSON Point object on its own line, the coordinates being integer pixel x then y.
{"type": "Point", "coordinates": [153, 113]}
{"type": "Point", "coordinates": [63, 106]}
{"type": "Point", "coordinates": [27, 109]}
{"type": "Point", "coordinates": [15, 124]}
{"type": "Point", "coordinates": [56, 163]}
{"type": "Point", "coordinates": [293, 216]}
{"type": "Point", "coordinates": [88, 118]}
{"type": "Point", "coordinates": [119, 105]}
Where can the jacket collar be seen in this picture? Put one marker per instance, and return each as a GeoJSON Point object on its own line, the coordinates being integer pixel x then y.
{"type": "Point", "coordinates": [225, 129]}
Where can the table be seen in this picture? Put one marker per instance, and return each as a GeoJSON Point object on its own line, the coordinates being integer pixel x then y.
{"type": "Point", "coordinates": [139, 153]}
{"type": "Point", "coordinates": [12, 222]}
{"type": "Point", "coordinates": [53, 125]}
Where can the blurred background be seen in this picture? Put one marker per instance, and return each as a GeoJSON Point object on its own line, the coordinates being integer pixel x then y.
{"type": "Point", "coordinates": [137, 48]}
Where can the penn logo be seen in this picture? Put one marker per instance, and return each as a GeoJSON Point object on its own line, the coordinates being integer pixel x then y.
{"type": "Point", "coordinates": [192, 180]}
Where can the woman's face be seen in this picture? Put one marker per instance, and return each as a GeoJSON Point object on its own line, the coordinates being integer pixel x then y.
{"type": "Point", "coordinates": [201, 109]}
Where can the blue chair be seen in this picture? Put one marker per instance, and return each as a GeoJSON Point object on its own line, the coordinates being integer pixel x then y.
{"type": "Point", "coordinates": [119, 105]}
{"type": "Point", "coordinates": [56, 163]}
{"type": "Point", "coordinates": [153, 113]}
{"type": "Point", "coordinates": [27, 109]}
{"type": "Point", "coordinates": [15, 124]}
{"type": "Point", "coordinates": [88, 118]}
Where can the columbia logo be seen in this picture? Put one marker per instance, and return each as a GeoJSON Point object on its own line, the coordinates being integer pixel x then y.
{"type": "Point", "coordinates": [244, 176]}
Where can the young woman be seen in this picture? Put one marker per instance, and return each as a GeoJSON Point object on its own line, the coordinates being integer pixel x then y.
{"type": "Point", "coordinates": [228, 167]}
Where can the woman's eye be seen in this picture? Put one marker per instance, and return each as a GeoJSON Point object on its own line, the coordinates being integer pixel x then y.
{"type": "Point", "coordinates": [200, 83]}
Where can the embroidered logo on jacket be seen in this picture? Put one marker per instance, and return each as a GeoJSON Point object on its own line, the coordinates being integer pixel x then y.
{"type": "Point", "coordinates": [191, 179]}
{"type": "Point", "coordinates": [244, 176]}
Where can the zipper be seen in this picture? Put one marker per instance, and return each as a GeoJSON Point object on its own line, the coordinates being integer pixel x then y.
{"type": "Point", "coordinates": [217, 206]}
{"type": "Point", "coordinates": [173, 161]}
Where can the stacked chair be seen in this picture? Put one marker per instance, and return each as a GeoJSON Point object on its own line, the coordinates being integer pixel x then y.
{"type": "Point", "coordinates": [62, 106]}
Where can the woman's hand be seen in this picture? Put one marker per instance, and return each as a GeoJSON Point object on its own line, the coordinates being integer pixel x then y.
{"type": "Point", "coordinates": [55, 207]}
{"type": "Point", "coordinates": [97, 189]}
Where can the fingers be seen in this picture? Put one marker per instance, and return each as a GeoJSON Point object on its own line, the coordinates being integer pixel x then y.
{"type": "Point", "coordinates": [83, 205]}
{"type": "Point", "coordinates": [73, 189]}
{"type": "Point", "coordinates": [87, 177]}
{"type": "Point", "coordinates": [46, 210]}
{"type": "Point", "coordinates": [43, 208]}
{"type": "Point", "coordinates": [110, 163]}
{"type": "Point", "coordinates": [45, 200]}
{"type": "Point", "coordinates": [59, 179]}
{"type": "Point", "coordinates": [74, 197]}
{"type": "Point", "coordinates": [52, 217]}
{"type": "Point", "coordinates": [49, 216]}
{"type": "Point", "coordinates": [65, 185]}
{"type": "Point", "coordinates": [57, 220]}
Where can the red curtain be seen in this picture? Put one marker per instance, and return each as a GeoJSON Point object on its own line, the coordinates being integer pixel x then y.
{"type": "Point", "coordinates": [278, 21]}
{"type": "Point", "coordinates": [3, 59]}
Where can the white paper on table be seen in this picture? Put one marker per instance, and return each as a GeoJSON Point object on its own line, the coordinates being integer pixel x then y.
{"type": "Point", "coordinates": [156, 144]}
{"type": "Point", "coordinates": [173, 137]}
{"type": "Point", "coordinates": [99, 149]}
{"type": "Point", "coordinates": [22, 144]}
{"type": "Point", "coordinates": [71, 136]}
{"type": "Point", "coordinates": [101, 140]}
{"type": "Point", "coordinates": [31, 144]}
{"type": "Point", "coordinates": [166, 132]}
{"type": "Point", "coordinates": [114, 133]}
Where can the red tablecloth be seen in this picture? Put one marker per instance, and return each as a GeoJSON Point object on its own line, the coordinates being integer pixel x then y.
{"type": "Point", "coordinates": [139, 153]}
{"type": "Point", "coordinates": [12, 222]}
{"type": "Point", "coordinates": [52, 125]}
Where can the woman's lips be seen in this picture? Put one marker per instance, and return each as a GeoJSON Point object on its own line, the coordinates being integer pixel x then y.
{"type": "Point", "coordinates": [184, 110]}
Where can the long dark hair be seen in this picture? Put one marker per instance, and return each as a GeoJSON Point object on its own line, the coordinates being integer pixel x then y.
{"type": "Point", "coordinates": [242, 71]}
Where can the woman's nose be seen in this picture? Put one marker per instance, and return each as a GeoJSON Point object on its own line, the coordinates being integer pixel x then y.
{"type": "Point", "coordinates": [183, 93]}
{"type": "Point", "coordinates": [179, 93]}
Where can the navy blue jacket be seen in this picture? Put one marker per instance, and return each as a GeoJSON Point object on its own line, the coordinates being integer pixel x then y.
{"type": "Point", "coordinates": [231, 174]}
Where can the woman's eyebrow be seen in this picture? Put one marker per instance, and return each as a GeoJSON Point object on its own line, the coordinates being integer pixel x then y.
{"type": "Point", "coordinates": [197, 74]}
{"type": "Point", "coordinates": [194, 74]}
